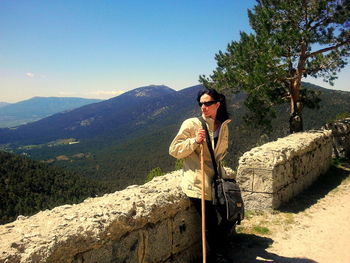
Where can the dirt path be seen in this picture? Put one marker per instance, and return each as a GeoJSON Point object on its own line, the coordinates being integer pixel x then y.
{"type": "Point", "coordinates": [314, 228]}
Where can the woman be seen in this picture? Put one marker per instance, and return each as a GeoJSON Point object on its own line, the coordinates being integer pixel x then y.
{"type": "Point", "coordinates": [186, 146]}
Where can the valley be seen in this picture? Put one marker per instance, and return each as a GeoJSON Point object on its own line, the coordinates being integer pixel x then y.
{"type": "Point", "coordinates": [119, 141]}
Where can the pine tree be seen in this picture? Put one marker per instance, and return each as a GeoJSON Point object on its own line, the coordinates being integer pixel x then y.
{"type": "Point", "coordinates": [154, 173]}
{"type": "Point", "coordinates": [291, 40]}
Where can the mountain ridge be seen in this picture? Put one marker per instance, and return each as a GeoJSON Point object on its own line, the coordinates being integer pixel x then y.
{"type": "Point", "coordinates": [130, 108]}
{"type": "Point", "coordinates": [36, 108]}
{"type": "Point", "coordinates": [3, 104]}
{"type": "Point", "coordinates": [121, 139]}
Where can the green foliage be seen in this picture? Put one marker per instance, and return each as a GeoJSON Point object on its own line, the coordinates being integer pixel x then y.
{"type": "Point", "coordinates": [341, 163]}
{"type": "Point", "coordinates": [290, 40]}
{"type": "Point", "coordinates": [261, 230]}
{"type": "Point", "coordinates": [341, 116]}
{"type": "Point", "coordinates": [109, 164]}
{"type": "Point", "coordinates": [154, 173]}
{"type": "Point", "coordinates": [179, 164]}
{"type": "Point", "coordinates": [120, 163]}
{"type": "Point", "coordinates": [27, 187]}
{"type": "Point", "coordinates": [264, 138]}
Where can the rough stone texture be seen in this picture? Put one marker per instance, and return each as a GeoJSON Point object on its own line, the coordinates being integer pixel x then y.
{"type": "Point", "coordinates": [149, 223]}
{"type": "Point", "coordinates": [275, 172]}
{"type": "Point", "coordinates": [154, 222]}
{"type": "Point", "coordinates": [341, 138]}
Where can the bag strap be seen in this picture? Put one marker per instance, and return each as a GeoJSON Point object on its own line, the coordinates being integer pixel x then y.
{"type": "Point", "coordinates": [215, 166]}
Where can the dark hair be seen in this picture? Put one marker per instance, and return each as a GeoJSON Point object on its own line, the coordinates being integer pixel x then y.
{"type": "Point", "coordinates": [222, 114]}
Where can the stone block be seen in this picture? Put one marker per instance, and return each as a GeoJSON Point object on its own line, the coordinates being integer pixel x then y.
{"type": "Point", "coordinates": [99, 255]}
{"type": "Point", "coordinates": [341, 138]}
{"type": "Point", "coordinates": [258, 201]}
{"type": "Point", "coordinates": [283, 195]}
{"type": "Point", "coordinates": [255, 180]}
{"type": "Point", "coordinates": [245, 178]}
{"type": "Point", "coordinates": [158, 241]}
{"type": "Point", "coordinates": [186, 230]}
{"type": "Point", "coordinates": [262, 181]}
{"type": "Point", "coordinates": [294, 162]}
{"type": "Point", "coordinates": [190, 255]}
{"type": "Point", "coordinates": [130, 248]}
{"type": "Point", "coordinates": [281, 176]}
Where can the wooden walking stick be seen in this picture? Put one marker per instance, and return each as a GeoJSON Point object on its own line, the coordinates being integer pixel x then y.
{"type": "Point", "coordinates": [204, 249]}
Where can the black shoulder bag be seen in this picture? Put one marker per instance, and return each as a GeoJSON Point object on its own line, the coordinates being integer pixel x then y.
{"type": "Point", "coordinates": [226, 193]}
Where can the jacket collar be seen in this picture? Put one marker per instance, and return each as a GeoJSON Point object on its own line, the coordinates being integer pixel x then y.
{"type": "Point", "coordinates": [211, 122]}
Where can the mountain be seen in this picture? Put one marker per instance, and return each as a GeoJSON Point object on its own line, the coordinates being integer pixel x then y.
{"type": "Point", "coordinates": [37, 108]}
{"type": "Point", "coordinates": [3, 104]}
{"type": "Point", "coordinates": [28, 186]}
{"type": "Point", "coordinates": [106, 140]}
{"type": "Point", "coordinates": [120, 140]}
{"type": "Point", "coordinates": [114, 118]}
{"type": "Point", "coordinates": [333, 103]}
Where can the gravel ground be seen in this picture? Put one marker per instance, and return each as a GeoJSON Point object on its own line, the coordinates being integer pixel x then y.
{"type": "Point", "coordinates": [314, 227]}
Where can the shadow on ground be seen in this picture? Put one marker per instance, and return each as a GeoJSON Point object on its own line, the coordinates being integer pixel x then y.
{"type": "Point", "coordinates": [319, 189]}
{"type": "Point", "coordinates": [248, 248]}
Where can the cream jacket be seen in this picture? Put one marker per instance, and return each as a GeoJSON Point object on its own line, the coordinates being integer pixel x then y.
{"type": "Point", "coordinates": [184, 147]}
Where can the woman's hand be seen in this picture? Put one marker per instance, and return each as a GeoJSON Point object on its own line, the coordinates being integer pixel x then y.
{"type": "Point", "coordinates": [200, 136]}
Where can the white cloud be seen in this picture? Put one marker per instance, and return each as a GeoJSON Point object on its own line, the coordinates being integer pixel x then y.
{"type": "Point", "coordinates": [37, 76]}
{"type": "Point", "coordinates": [30, 75]}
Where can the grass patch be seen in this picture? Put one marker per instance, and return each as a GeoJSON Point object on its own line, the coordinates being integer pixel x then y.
{"type": "Point", "coordinates": [253, 230]}
{"type": "Point", "coordinates": [261, 230]}
{"type": "Point", "coordinates": [341, 163]}
{"type": "Point", "coordinates": [289, 218]}
{"type": "Point", "coordinates": [249, 214]}
{"type": "Point", "coordinates": [241, 229]}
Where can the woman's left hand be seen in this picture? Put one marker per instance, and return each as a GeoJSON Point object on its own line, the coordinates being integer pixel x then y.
{"type": "Point", "coordinates": [200, 136]}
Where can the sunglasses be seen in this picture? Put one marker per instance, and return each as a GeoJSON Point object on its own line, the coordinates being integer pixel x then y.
{"type": "Point", "coordinates": [207, 103]}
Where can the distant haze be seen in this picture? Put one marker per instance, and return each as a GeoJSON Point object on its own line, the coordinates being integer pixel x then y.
{"type": "Point", "coordinates": [2, 104]}
{"type": "Point", "coordinates": [37, 108]}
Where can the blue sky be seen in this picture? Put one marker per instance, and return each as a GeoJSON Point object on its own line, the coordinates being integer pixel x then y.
{"type": "Point", "coordinates": [101, 48]}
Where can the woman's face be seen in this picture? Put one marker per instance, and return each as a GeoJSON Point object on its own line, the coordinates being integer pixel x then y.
{"type": "Point", "coordinates": [209, 111]}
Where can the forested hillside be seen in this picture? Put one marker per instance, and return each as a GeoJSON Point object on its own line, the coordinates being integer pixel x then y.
{"type": "Point", "coordinates": [28, 186]}
{"type": "Point", "coordinates": [129, 135]}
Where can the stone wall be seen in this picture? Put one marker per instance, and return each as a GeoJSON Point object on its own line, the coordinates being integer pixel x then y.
{"type": "Point", "coordinates": [277, 171]}
{"type": "Point", "coordinates": [155, 222]}
{"type": "Point", "coordinates": [341, 138]}
{"type": "Point", "coordinates": [149, 223]}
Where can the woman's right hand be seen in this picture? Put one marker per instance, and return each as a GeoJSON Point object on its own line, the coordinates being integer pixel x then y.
{"type": "Point", "coordinates": [200, 136]}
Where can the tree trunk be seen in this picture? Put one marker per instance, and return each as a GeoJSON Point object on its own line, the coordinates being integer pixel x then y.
{"type": "Point", "coordinates": [296, 107]}
{"type": "Point", "coordinates": [296, 122]}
